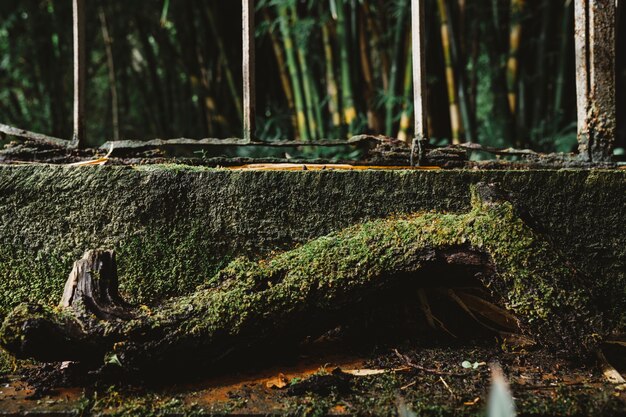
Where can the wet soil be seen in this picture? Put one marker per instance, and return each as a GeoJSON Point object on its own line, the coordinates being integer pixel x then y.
{"type": "Point", "coordinates": [427, 380]}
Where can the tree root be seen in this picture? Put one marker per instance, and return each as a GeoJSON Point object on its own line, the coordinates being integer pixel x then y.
{"type": "Point", "coordinates": [299, 292]}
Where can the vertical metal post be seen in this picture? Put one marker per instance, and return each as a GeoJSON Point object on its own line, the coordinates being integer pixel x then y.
{"type": "Point", "coordinates": [595, 22]}
{"type": "Point", "coordinates": [79, 72]}
{"type": "Point", "coordinates": [249, 81]}
{"type": "Point", "coordinates": [419, 70]}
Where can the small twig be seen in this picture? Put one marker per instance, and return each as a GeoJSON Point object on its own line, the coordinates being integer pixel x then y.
{"type": "Point", "coordinates": [547, 387]}
{"type": "Point", "coordinates": [413, 365]}
{"type": "Point", "coordinates": [445, 384]}
{"type": "Point", "coordinates": [409, 385]}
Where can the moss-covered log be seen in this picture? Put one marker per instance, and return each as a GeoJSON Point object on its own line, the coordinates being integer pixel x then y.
{"type": "Point", "coordinates": [257, 302]}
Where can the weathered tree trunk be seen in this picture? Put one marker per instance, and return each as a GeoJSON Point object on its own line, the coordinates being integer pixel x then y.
{"type": "Point", "coordinates": [93, 287]}
{"type": "Point", "coordinates": [295, 293]}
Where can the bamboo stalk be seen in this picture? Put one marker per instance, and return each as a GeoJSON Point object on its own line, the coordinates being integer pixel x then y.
{"type": "Point", "coordinates": [165, 11]}
{"type": "Point", "coordinates": [517, 8]}
{"type": "Point", "coordinates": [331, 80]}
{"type": "Point", "coordinates": [379, 53]}
{"type": "Point", "coordinates": [462, 6]}
{"type": "Point", "coordinates": [230, 79]}
{"type": "Point", "coordinates": [349, 109]}
{"type": "Point", "coordinates": [407, 113]}
{"type": "Point", "coordinates": [292, 65]}
{"type": "Point", "coordinates": [458, 64]}
{"type": "Point", "coordinates": [373, 122]}
{"type": "Point", "coordinates": [541, 90]}
{"type": "Point", "coordinates": [157, 91]}
{"type": "Point", "coordinates": [282, 70]}
{"type": "Point", "coordinates": [491, 38]}
{"type": "Point", "coordinates": [474, 56]}
{"type": "Point", "coordinates": [311, 98]}
{"type": "Point", "coordinates": [567, 25]}
{"type": "Point", "coordinates": [108, 42]}
{"type": "Point", "coordinates": [456, 124]}
{"type": "Point", "coordinates": [200, 70]}
{"type": "Point", "coordinates": [315, 99]}
{"type": "Point", "coordinates": [398, 32]}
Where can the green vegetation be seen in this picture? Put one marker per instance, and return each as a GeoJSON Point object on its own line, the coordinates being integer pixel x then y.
{"type": "Point", "coordinates": [6, 362]}
{"type": "Point", "coordinates": [499, 72]}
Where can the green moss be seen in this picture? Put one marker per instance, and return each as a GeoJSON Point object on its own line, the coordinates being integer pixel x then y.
{"type": "Point", "coordinates": [30, 279]}
{"type": "Point", "coordinates": [116, 404]}
{"type": "Point", "coordinates": [179, 263]}
{"type": "Point", "coordinates": [174, 226]}
{"type": "Point", "coordinates": [533, 279]}
{"type": "Point", "coordinates": [6, 363]}
{"type": "Point", "coordinates": [253, 300]}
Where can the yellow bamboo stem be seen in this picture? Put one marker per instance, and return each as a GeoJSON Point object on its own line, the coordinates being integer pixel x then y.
{"type": "Point", "coordinates": [456, 123]}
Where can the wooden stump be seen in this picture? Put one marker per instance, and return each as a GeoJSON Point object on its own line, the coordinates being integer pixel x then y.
{"type": "Point", "coordinates": [93, 287]}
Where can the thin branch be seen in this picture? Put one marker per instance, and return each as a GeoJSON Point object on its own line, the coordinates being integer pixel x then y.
{"type": "Point", "coordinates": [413, 365]}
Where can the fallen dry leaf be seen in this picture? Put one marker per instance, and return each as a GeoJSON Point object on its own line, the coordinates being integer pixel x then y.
{"type": "Point", "coordinates": [279, 382]}
{"type": "Point", "coordinates": [490, 311]}
{"type": "Point", "coordinates": [94, 162]}
{"type": "Point", "coordinates": [369, 372]}
{"type": "Point", "coordinates": [99, 161]}
{"type": "Point", "coordinates": [410, 384]}
{"type": "Point", "coordinates": [365, 372]}
{"type": "Point", "coordinates": [473, 402]}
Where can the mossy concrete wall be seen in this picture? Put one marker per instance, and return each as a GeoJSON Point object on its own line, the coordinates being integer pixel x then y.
{"type": "Point", "coordinates": [174, 226]}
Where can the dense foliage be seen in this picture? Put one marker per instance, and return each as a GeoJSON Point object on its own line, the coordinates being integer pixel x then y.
{"type": "Point", "coordinates": [504, 74]}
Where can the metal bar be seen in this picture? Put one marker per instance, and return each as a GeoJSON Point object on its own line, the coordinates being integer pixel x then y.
{"type": "Point", "coordinates": [140, 145]}
{"type": "Point", "coordinates": [249, 81]}
{"type": "Point", "coordinates": [595, 22]}
{"type": "Point", "coordinates": [79, 72]}
{"type": "Point", "coordinates": [419, 69]}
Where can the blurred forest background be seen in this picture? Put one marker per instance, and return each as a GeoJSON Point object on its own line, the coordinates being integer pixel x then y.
{"type": "Point", "coordinates": [500, 72]}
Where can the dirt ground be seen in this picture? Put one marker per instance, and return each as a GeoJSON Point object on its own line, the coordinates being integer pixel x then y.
{"type": "Point", "coordinates": [376, 381]}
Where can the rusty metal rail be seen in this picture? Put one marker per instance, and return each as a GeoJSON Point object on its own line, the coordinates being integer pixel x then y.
{"type": "Point", "coordinates": [595, 23]}
{"type": "Point", "coordinates": [595, 26]}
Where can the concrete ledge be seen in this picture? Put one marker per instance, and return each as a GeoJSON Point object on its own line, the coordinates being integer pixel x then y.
{"type": "Point", "coordinates": [174, 226]}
